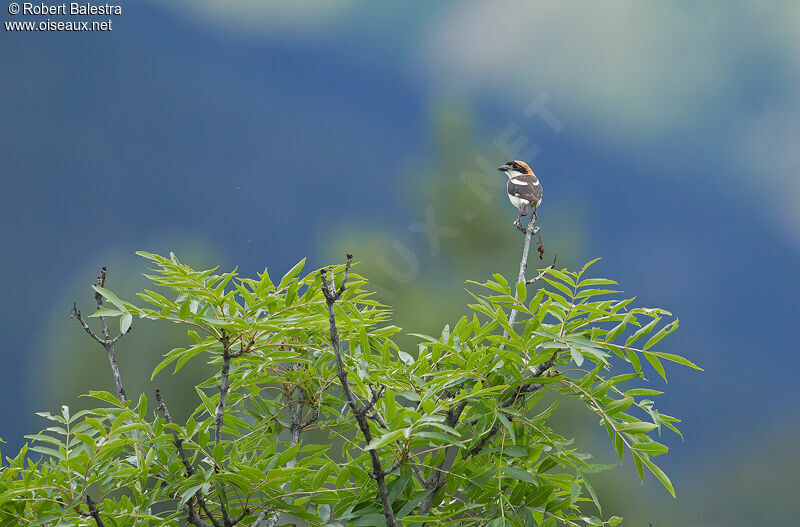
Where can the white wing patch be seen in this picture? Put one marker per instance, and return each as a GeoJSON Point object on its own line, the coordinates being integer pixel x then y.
{"type": "Point", "coordinates": [518, 182]}
{"type": "Point", "coordinates": [535, 183]}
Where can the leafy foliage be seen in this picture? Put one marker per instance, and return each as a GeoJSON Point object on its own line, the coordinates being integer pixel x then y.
{"type": "Point", "coordinates": [460, 424]}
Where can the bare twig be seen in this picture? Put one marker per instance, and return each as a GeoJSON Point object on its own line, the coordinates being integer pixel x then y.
{"type": "Point", "coordinates": [523, 264]}
{"type": "Point", "coordinates": [394, 467]}
{"type": "Point", "coordinates": [376, 394]}
{"type": "Point", "coordinates": [436, 478]}
{"type": "Point", "coordinates": [223, 386]}
{"type": "Point", "coordinates": [262, 515]}
{"type": "Point", "coordinates": [375, 416]}
{"type": "Point", "coordinates": [105, 340]}
{"type": "Point", "coordinates": [542, 274]}
{"type": "Point", "coordinates": [260, 518]}
{"type": "Point", "coordinates": [358, 411]}
{"type": "Point", "coordinates": [194, 519]}
{"type": "Point", "coordinates": [76, 314]}
{"type": "Point", "coordinates": [518, 395]}
{"type": "Point", "coordinates": [93, 512]}
{"type": "Point", "coordinates": [296, 427]}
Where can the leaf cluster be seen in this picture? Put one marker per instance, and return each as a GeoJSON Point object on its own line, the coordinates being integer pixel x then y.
{"type": "Point", "coordinates": [461, 424]}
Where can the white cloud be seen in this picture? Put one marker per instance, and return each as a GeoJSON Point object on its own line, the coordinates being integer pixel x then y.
{"type": "Point", "coordinates": [631, 72]}
{"type": "Point", "coordinates": [632, 66]}
{"type": "Point", "coordinates": [258, 16]}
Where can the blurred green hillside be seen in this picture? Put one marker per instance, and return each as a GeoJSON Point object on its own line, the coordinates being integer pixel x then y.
{"type": "Point", "coordinates": [459, 228]}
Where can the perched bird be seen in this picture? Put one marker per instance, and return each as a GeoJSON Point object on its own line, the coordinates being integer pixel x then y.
{"type": "Point", "coordinates": [524, 189]}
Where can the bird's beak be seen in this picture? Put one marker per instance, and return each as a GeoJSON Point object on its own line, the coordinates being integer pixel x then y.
{"type": "Point", "coordinates": [502, 168]}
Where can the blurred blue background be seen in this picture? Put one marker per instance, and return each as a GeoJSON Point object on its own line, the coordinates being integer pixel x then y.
{"type": "Point", "coordinates": [258, 132]}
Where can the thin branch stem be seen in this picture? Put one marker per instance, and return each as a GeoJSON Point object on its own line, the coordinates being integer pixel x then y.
{"type": "Point", "coordinates": [105, 340]}
{"type": "Point", "coordinates": [523, 264]}
{"type": "Point", "coordinates": [518, 395]}
{"type": "Point", "coordinates": [93, 512]}
{"type": "Point", "coordinates": [541, 275]}
{"type": "Point", "coordinates": [224, 387]}
{"type": "Point", "coordinates": [436, 479]}
{"type": "Point", "coordinates": [194, 519]}
{"type": "Point", "coordinates": [331, 296]}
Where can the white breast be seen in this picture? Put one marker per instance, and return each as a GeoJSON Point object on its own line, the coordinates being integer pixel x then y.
{"type": "Point", "coordinates": [517, 202]}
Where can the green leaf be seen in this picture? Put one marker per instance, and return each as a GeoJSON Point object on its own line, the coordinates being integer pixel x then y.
{"type": "Point", "coordinates": [440, 435]}
{"type": "Point", "coordinates": [558, 285]}
{"type": "Point", "coordinates": [186, 356]}
{"type": "Point", "coordinates": [125, 322]}
{"type": "Point", "coordinates": [185, 309]}
{"type": "Point", "coordinates": [106, 312]}
{"type": "Point", "coordinates": [656, 364]}
{"type": "Point", "coordinates": [642, 392]}
{"type": "Point", "coordinates": [522, 291]}
{"type": "Point", "coordinates": [676, 358]}
{"type": "Point", "coordinates": [370, 520]}
{"type": "Point", "coordinates": [520, 474]}
{"type": "Point", "coordinates": [561, 275]}
{"type": "Point", "coordinates": [658, 337]}
{"type": "Point", "coordinates": [637, 427]}
{"type": "Point", "coordinates": [642, 331]}
{"type": "Point", "coordinates": [652, 447]}
{"type": "Point", "coordinates": [378, 442]}
{"type": "Point", "coordinates": [502, 281]}
{"type": "Point", "coordinates": [618, 405]}
{"type": "Point", "coordinates": [575, 491]}
{"type": "Point", "coordinates": [412, 504]}
{"type": "Point", "coordinates": [593, 494]}
{"type": "Point", "coordinates": [634, 358]}
{"type": "Point", "coordinates": [188, 493]}
{"type": "Point", "coordinates": [405, 357]}
{"type": "Point", "coordinates": [170, 357]}
{"type": "Point", "coordinates": [287, 278]}
{"type": "Point", "coordinates": [595, 281]}
{"type": "Point", "coordinates": [595, 292]}
{"type": "Point", "coordinates": [111, 297]}
{"type": "Point", "coordinates": [662, 477]}
{"type": "Point", "coordinates": [106, 397]}
{"type": "Point", "coordinates": [577, 356]}
{"type": "Point", "coordinates": [618, 329]}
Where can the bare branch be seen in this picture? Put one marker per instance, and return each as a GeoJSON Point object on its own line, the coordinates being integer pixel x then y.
{"type": "Point", "coordinates": [376, 394]}
{"type": "Point", "coordinates": [523, 264]}
{"type": "Point", "coordinates": [260, 518]}
{"type": "Point", "coordinates": [518, 395]}
{"type": "Point", "coordinates": [76, 314]}
{"type": "Point", "coordinates": [544, 272]}
{"type": "Point", "coordinates": [375, 416]}
{"type": "Point", "coordinates": [296, 427]}
{"type": "Point", "coordinates": [93, 512]}
{"type": "Point", "coordinates": [418, 474]}
{"type": "Point", "coordinates": [436, 478]}
{"type": "Point", "coordinates": [358, 412]}
{"type": "Point", "coordinates": [333, 295]}
{"type": "Point", "coordinates": [194, 519]}
{"type": "Point", "coordinates": [394, 467]}
{"type": "Point", "coordinates": [224, 387]}
{"type": "Point", "coordinates": [106, 341]}
{"type": "Point", "coordinates": [312, 418]}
